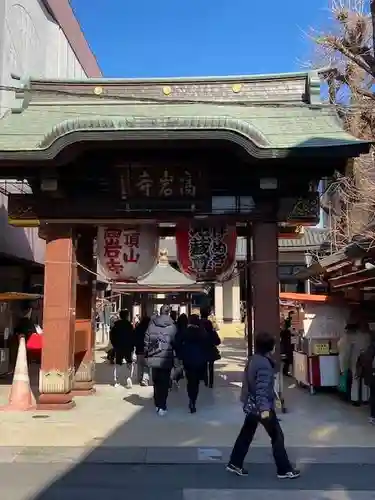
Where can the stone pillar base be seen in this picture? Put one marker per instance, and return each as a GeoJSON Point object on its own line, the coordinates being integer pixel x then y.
{"type": "Point", "coordinates": [49, 402]}
{"type": "Point", "coordinates": [83, 389]}
{"type": "Point", "coordinates": [83, 383]}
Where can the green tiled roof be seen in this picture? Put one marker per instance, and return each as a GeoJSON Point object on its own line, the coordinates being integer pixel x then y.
{"type": "Point", "coordinates": [271, 115]}
{"type": "Point", "coordinates": [273, 127]}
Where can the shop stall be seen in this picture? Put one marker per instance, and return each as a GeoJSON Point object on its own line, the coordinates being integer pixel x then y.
{"type": "Point", "coordinates": [322, 321]}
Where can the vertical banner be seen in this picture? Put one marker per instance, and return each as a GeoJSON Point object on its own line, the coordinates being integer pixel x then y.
{"type": "Point", "coordinates": [127, 253]}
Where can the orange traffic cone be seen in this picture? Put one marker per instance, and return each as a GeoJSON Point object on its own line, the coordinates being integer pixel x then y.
{"type": "Point", "coordinates": [21, 398]}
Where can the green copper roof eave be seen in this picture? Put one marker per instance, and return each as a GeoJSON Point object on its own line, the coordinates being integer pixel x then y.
{"type": "Point", "coordinates": [163, 124]}
{"type": "Point", "coordinates": [40, 133]}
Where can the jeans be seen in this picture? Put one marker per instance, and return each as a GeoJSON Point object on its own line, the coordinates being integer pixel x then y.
{"type": "Point", "coordinates": [246, 435]}
{"type": "Point", "coordinates": [193, 377]}
{"type": "Point", "coordinates": [161, 380]}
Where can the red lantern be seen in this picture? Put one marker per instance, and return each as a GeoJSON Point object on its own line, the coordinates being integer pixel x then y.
{"type": "Point", "coordinates": [204, 252]}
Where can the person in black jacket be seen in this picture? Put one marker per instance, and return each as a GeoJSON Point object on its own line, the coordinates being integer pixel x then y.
{"type": "Point", "coordinates": [192, 348]}
{"type": "Point", "coordinates": [159, 355]}
{"type": "Point", "coordinates": [143, 374]}
{"type": "Point", "coordinates": [286, 350]}
{"type": "Point", "coordinates": [214, 341]}
{"type": "Point", "coordinates": [123, 342]}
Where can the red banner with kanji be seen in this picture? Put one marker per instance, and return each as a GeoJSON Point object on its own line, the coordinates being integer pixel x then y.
{"type": "Point", "coordinates": [206, 253]}
{"type": "Point", "coordinates": [127, 253]}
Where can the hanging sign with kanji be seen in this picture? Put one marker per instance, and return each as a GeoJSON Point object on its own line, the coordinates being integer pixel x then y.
{"type": "Point", "coordinates": [126, 253]}
{"type": "Point", "coordinates": [206, 253]}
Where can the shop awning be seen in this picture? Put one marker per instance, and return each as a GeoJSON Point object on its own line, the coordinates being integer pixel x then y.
{"type": "Point", "coordinates": [8, 296]}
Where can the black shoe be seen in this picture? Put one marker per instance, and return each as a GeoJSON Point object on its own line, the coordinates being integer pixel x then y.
{"type": "Point", "coordinates": [239, 471]}
{"type": "Point", "coordinates": [192, 408]}
{"type": "Point", "coordinates": [293, 474]}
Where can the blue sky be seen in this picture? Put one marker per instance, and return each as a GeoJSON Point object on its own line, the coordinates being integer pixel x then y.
{"type": "Point", "coordinates": [150, 38]}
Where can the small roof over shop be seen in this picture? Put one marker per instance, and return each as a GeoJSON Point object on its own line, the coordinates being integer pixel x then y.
{"type": "Point", "coordinates": [12, 296]}
{"type": "Point", "coordinates": [270, 116]}
{"type": "Point", "coordinates": [351, 266]}
{"type": "Point", "coordinates": [163, 278]}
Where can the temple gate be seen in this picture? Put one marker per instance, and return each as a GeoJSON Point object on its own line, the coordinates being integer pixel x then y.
{"type": "Point", "coordinates": [245, 151]}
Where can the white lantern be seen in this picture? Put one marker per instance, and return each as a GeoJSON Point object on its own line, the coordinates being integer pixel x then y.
{"type": "Point", "coordinates": [127, 253]}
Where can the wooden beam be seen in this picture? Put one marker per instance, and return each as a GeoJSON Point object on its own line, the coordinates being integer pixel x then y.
{"type": "Point", "coordinates": [354, 278]}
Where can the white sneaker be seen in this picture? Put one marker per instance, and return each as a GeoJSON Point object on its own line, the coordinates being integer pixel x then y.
{"type": "Point", "coordinates": [116, 384]}
{"type": "Point", "coordinates": [161, 412]}
{"type": "Point", "coordinates": [129, 383]}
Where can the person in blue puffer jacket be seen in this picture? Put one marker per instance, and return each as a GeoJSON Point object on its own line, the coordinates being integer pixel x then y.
{"type": "Point", "coordinates": [258, 400]}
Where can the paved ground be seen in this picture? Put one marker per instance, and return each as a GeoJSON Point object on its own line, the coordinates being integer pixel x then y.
{"type": "Point", "coordinates": [113, 444]}
{"type": "Point", "coordinates": [177, 482]}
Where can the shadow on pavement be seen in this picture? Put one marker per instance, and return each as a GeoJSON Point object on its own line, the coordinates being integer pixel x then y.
{"type": "Point", "coordinates": [114, 470]}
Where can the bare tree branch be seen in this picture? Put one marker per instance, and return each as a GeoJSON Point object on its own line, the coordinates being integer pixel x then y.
{"type": "Point", "coordinates": [347, 48]}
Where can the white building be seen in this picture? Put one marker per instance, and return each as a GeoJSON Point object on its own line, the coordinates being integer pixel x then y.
{"type": "Point", "coordinates": [37, 38]}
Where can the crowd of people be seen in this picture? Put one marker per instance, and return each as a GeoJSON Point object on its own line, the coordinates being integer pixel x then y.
{"type": "Point", "coordinates": [165, 349]}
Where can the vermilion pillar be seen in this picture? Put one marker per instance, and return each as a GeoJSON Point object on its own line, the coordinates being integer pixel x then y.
{"type": "Point", "coordinates": [57, 368]}
{"type": "Point", "coordinates": [265, 280]}
{"type": "Point", "coordinates": [83, 383]}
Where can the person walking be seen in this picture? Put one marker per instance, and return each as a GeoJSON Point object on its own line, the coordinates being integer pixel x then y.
{"type": "Point", "coordinates": [123, 342]}
{"type": "Point", "coordinates": [213, 342]}
{"type": "Point", "coordinates": [159, 355]}
{"type": "Point", "coordinates": [143, 373]}
{"type": "Point", "coordinates": [192, 348]}
{"type": "Point", "coordinates": [182, 324]}
{"type": "Point", "coordinates": [365, 370]}
{"type": "Point", "coordinates": [286, 350]}
{"type": "Point", "coordinates": [258, 399]}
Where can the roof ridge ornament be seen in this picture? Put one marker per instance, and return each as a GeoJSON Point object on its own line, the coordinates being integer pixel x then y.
{"type": "Point", "coordinates": [314, 87]}
{"type": "Point", "coordinates": [163, 257]}
{"type": "Point", "coordinates": [21, 93]}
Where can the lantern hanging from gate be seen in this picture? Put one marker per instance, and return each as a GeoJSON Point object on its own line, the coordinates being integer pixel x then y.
{"type": "Point", "coordinates": [127, 253]}
{"type": "Point", "coordinates": [206, 252]}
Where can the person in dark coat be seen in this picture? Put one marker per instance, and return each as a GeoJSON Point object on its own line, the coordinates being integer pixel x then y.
{"type": "Point", "coordinates": [365, 370]}
{"type": "Point", "coordinates": [182, 324]}
{"type": "Point", "coordinates": [258, 399]}
{"type": "Point", "coordinates": [143, 373]}
{"type": "Point", "coordinates": [122, 339]}
{"type": "Point", "coordinates": [214, 341]}
{"type": "Point", "coordinates": [286, 350]}
{"type": "Point", "coordinates": [192, 347]}
{"type": "Point", "coordinates": [159, 355]}
{"type": "Point", "coordinates": [111, 352]}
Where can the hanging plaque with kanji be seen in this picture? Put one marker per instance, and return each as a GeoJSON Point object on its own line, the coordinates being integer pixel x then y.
{"type": "Point", "coordinates": [126, 253]}
{"type": "Point", "coordinates": [206, 253]}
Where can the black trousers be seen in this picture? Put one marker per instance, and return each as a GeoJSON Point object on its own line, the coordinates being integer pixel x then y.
{"type": "Point", "coordinates": [372, 398]}
{"type": "Point", "coordinates": [161, 380]}
{"type": "Point", "coordinates": [193, 377]}
{"type": "Point", "coordinates": [246, 435]}
{"type": "Point", "coordinates": [210, 368]}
